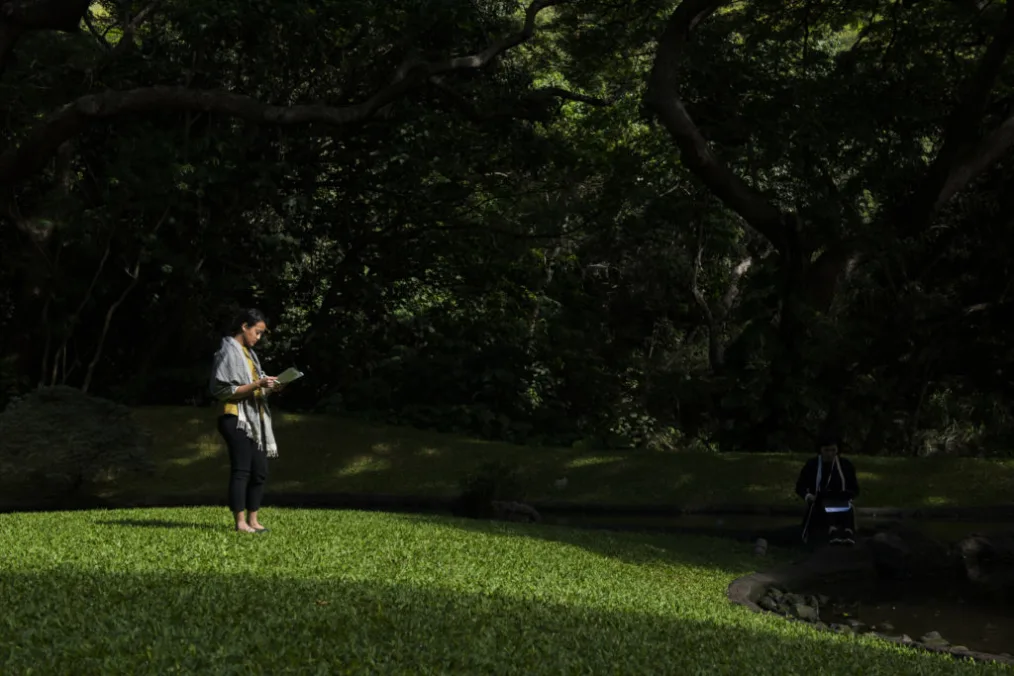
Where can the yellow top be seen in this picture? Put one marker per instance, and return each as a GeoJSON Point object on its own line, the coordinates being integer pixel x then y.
{"type": "Point", "coordinates": [231, 408]}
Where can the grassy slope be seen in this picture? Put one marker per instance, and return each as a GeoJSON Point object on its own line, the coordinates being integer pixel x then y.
{"type": "Point", "coordinates": [176, 591]}
{"type": "Point", "coordinates": [323, 454]}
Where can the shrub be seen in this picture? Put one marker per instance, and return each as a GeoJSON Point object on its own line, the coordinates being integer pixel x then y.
{"type": "Point", "coordinates": [58, 441]}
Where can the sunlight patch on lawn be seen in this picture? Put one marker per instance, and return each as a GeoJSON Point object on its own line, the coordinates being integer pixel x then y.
{"type": "Point", "coordinates": [429, 452]}
{"type": "Point", "coordinates": [362, 464]}
{"type": "Point", "coordinates": [183, 462]}
{"type": "Point", "coordinates": [315, 448]}
{"type": "Point", "coordinates": [593, 460]}
{"type": "Point", "coordinates": [681, 480]}
{"type": "Point", "coordinates": [204, 448]}
{"type": "Point", "coordinates": [758, 488]}
{"type": "Point", "coordinates": [294, 417]}
{"type": "Point", "coordinates": [283, 486]}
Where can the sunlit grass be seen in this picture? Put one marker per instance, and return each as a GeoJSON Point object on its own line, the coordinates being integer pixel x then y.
{"type": "Point", "coordinates": [593, 460]}
{"type": "Point", "coordinates": [177, 591]}
{"type": "Point", "coordinates": [205, 448]}
{"type": "Point", "coordinates": [322, 454]}
{"type": "Point", "coordinates": [428, 452]}
{"type": "Point", "coordinates": [363, 464]}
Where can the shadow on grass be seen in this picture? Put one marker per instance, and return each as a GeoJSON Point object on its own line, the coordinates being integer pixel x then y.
{"type": "Point", "coordinates": [158, 523]}
{"type": "Point", "coordinates": [634, 547]}
{"type": "Point", "coordinates": [205, 623]}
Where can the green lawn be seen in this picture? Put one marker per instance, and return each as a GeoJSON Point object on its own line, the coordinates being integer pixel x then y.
{"type": "Point", "coordinates": [326, 454]}
{"type": "Point", "coordinates": [328, 592]}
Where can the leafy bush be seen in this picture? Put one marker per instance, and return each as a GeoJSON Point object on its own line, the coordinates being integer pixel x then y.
{"type": "Point", "coordinates": [57, 441]}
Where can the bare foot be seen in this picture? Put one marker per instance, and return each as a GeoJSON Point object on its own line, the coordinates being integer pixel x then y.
{"type": "Point", "coordinates": [243, 528]}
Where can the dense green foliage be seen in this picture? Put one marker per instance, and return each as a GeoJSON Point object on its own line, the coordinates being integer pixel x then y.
{"type": "Point", "coordinates": [176, 591]}
{"type": "Point", "coordinates": [58, 441]}
{"type": "Point", "coordinates": [482, 253]}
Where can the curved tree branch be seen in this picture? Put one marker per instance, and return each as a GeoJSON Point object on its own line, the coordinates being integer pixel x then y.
{"type": "Point", "coordinates": [135, 275]}
{"type": "Point", "coordinates": [715, 317]}
{"type": "Point", "coordinates": [99, 37]}
{"type": "Point", "coordinates": [130, 29]}
{"type": "Point", "coordinates": [977, 160]}
{"type": "Point", "coordinates": [23, 161]}
{"type": "Point", "coordinates": [662, 98]}
{"type": "Point", "coordinates": [960, 159]}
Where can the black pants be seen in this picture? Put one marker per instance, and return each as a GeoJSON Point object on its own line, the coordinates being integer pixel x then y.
{"type": "Point", "coordinates": [842, 520]}
{"type": "Point", "coordinates": [821, 522]}
{"type": "Point", "coordinates": [248, 466]}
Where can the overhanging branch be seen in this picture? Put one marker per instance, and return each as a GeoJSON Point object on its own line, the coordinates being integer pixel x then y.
{"type": "Point", "coordinates": [99, 37]}
{"type": "Point", "coordinates": [23, 161]}
{"type": "Point", "coordinates": [961, 158]}
{"type": "Point", "coordinates": [977, 160]}
{"type": "Point", "coordinates": [130, 29]}
{"type": "Point", "coordinates": [567, 95]}
{"type": "Point", "coordinates": [663, 100]}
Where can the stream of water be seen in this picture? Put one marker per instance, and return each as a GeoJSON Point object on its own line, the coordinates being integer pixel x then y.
{"type": "Point", "coordinates": [961, 618]}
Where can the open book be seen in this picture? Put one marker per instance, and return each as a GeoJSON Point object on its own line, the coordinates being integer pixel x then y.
{"type": "Point", "coordinates": [288, 375]}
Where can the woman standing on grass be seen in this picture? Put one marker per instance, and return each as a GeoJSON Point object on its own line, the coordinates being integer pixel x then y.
{"type": "Point", "coordinates": [239, 383]}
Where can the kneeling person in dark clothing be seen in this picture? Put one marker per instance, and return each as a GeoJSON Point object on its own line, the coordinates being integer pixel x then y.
{"type": "Point", "coordinates": [828, 484]}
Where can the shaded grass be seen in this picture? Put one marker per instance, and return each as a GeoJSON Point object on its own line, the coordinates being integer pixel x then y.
{"type": "Point", "coordinates": [321, 454]}
{"type": "Point", "coordinates": [176, 591]}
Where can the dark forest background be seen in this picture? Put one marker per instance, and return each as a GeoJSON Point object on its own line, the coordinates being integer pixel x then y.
{"type": "Point", "coordinates": [697, 225]}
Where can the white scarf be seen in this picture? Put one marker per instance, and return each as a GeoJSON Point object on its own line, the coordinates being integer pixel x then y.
{"type": "Point", "coordinates": [834, 465]}
{"type": "Point", "coordinates": [230, 371]}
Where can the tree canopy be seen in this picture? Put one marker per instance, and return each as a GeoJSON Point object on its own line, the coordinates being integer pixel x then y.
{"type": "Point", "coordinates": [698, 224]}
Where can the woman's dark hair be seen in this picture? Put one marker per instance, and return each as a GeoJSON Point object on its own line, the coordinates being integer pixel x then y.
{"type": "Point", "coordinates": [249, 317]}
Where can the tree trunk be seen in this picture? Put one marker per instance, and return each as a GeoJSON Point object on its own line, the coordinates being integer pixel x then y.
{"type": "Point", "coordinates": [964, 154]}
{"type": "Point", "coordinates": [787, 362]}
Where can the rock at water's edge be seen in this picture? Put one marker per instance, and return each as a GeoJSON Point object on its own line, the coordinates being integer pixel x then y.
{"type": "Point", "coordinates": [988, 562]}
{"type": "Point", "coordinates": [515, 511]}
{"type": "Point", "coordinates": [905, 553]}
{"type": "Point", "coordinates": [806, 613]}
